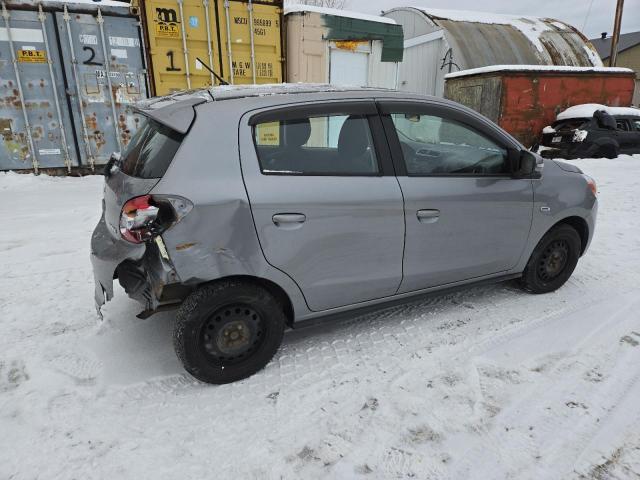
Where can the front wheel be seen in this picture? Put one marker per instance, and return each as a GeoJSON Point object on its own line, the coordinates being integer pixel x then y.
{"type": "Point", "coordinates": [553, 260]}
{"type": "Point", "coordinates": [607, 151]}
{"type": "Point", "coordinates": [228, 331]}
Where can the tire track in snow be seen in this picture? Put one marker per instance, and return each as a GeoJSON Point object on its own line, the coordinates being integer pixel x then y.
{"type": "Point", "coordinates": [507, 435]}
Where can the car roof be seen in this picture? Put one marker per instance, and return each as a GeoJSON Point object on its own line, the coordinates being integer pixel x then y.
{"type": "Point", "coordinates": [226, 92]}
{"type": "Point", "coordinates": [236, 92]}
{"type": "Point", "coordinates": [176, 110]}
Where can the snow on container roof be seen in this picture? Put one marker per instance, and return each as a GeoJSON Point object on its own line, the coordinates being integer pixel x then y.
{"type": "Point", "coordinates": [71, 4]}
{"type": "Point", "coordinates": [537, 68]}
{"type": "Point", "coordinates": [478, 39]}
{"type": "Point", "coordinates": [586, 110]}
{"type": "Point", "coordinates": [337, 12]}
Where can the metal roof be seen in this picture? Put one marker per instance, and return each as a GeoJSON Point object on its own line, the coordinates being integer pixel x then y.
{"type": "Point", "coordinates": [627, 40]}
{"type": "Point", "coordinates": [479, 39]}
{"type": "Point", "coordinates": [540, 70]}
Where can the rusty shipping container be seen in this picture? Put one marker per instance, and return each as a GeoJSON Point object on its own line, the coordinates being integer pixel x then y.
{"type": "Point", "coordinates": [240, 41]}
{"type": "Point", "coordinates": [523, 99]}
{"type": "Point", "coordinates": [69, 73]}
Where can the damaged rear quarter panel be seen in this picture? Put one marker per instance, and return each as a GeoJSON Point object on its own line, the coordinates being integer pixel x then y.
{"type": "Point", "coordinates": [217, 238]}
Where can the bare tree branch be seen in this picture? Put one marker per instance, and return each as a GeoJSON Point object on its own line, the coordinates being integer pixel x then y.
{"type": "Point", "coordinates": [339, 4]}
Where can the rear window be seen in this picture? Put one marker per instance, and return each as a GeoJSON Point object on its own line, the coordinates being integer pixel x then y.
{"type": "Point", "coordinates": [150, 150]}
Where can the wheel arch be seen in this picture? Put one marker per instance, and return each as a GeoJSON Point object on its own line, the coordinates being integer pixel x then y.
{"type": "Point", "coordinates": [580, 225]}
{"type": "Point", "coordinates": [273, 288]}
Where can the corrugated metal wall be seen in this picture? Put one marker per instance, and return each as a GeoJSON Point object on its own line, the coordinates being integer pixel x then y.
{"type": "Point", "coordinates": [241, 41]}
{"type": "Point", "coordinates": [67, 80]}
{"type": "Point", "coordinates": [420, 68]}
{"type": "Point", "coordinates": [35, 129]}
{"type": "Point", "coordinates": [102, 91]}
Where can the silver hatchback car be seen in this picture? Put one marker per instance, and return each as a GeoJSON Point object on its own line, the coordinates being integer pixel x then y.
{"type": "Point", "coordinates": [256, 209]}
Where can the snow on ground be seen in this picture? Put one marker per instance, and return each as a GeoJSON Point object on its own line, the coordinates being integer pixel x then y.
{"type": "Point", "coordinates": [486, 383]}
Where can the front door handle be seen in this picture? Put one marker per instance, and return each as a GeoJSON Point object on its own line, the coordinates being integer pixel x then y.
{"type": "Point", "coordinates": [428, 216]}
{"type": "Point", "coordinates": [288, 220]}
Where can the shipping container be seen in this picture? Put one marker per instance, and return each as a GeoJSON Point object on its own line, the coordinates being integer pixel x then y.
{"type": "Point", "coordinates": [34, 119]}
{"type": "Point", "coordinates": [69, 74]}
{"type": "Point", "coordinates": [523, 99]}
{"type": "Point", "coordinates": [240, 41]}
{"type": "Point", "coordinates": [326, 45]}
{"type": "Point", "coordinates": [104, 67]}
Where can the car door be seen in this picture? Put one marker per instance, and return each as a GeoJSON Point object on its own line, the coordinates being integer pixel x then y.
{"type": "Point", "coordinates": [466, 217]}
{"type": "Point", "coordinates": [327, 207]}
{"type": "Point", "coordinates": [635, 146]}
{"type": "Point", "coordinates": [628, 137]}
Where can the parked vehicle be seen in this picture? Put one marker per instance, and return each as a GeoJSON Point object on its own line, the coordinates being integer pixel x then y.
{"type": "Point", "coordinates": [592, 131]}
{"type": "Point", "coordinates": [522, 99]}
{"type": "Point", "coordinates": [259, 208]}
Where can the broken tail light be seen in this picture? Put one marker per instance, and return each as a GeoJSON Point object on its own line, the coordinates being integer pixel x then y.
{"type": "Point", "coordinates": [147, 216]}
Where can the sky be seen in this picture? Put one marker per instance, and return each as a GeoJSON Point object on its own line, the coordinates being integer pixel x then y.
{"type": "Point", "coordinates": [574, 12]}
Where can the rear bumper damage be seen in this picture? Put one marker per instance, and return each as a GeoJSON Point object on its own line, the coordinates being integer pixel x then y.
{"type": "Point", "coordinates": [145, 271]}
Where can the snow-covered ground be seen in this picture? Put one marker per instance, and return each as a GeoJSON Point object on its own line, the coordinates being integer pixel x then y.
{"type": "Point", "coordinates": [487, 383]}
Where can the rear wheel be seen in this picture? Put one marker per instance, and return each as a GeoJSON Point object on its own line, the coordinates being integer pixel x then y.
{"type": "Point", "coordinates": [228, 331]}
{"type": "Point", "coordinates": [553, 260]}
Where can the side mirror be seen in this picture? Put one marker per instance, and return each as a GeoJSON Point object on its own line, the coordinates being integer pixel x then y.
{"type": "Point", "coordinates": [523, 163]}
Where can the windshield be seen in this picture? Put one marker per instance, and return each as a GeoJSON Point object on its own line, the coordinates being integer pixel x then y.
{"type": "Point", "coordinates": [151, 150]}
{"type": "Point", "coordinates": [570, 124]}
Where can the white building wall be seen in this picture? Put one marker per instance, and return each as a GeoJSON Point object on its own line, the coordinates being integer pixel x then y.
{"type": "Point", "coordinates": [419, 71]}
{"type": "Point", "coordinates": [381, 74]}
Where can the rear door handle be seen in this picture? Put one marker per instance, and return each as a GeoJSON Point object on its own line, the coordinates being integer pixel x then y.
{"type": "Point", "coordinates": [288, 220]}
{"type": "Point", "coordinates": [428, 216]}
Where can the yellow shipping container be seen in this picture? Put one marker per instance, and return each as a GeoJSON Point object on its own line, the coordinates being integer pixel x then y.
{"type": "Point", "coordinates": [178, 32]}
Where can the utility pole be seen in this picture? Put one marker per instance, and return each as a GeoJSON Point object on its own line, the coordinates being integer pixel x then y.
{"type": "Point", "coordinates": [616, 34]}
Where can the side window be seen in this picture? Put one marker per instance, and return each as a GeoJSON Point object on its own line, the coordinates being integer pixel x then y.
{"type": "Point", "coordinates": [622, 125]}
{"type": "Point", "coordinates": [433, 145]}
{"type": "Point", "coordinates": [317, 145]}
{"type": "Point", "coordinates": [636, 124]}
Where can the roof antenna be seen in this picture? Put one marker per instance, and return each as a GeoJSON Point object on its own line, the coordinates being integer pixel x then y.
{"type": "Point", "coordinates": [221, 80]}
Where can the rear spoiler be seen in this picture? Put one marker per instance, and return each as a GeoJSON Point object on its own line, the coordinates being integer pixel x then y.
{"type": "Point", "coordinates": [177, 115]}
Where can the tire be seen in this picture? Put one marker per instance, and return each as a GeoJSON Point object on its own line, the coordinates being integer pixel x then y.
{"type": "Point", "coordinates": [553, 260]}
{"type": "Point", "coordinates": [607, 151]}
{"type": "Point", "coordinates": [228, 331]}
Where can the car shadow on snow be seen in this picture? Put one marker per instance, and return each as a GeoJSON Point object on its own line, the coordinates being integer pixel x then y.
{"type": "Point", "coordinates": [133, 350]}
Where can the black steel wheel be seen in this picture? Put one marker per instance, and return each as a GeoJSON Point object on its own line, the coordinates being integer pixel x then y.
{"type": "Point", "coordinates": [228, 330]}
{"type": "Point", "coordinates": [553, 260]}
{"type": "Point", "coordinates": [232, 333]}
